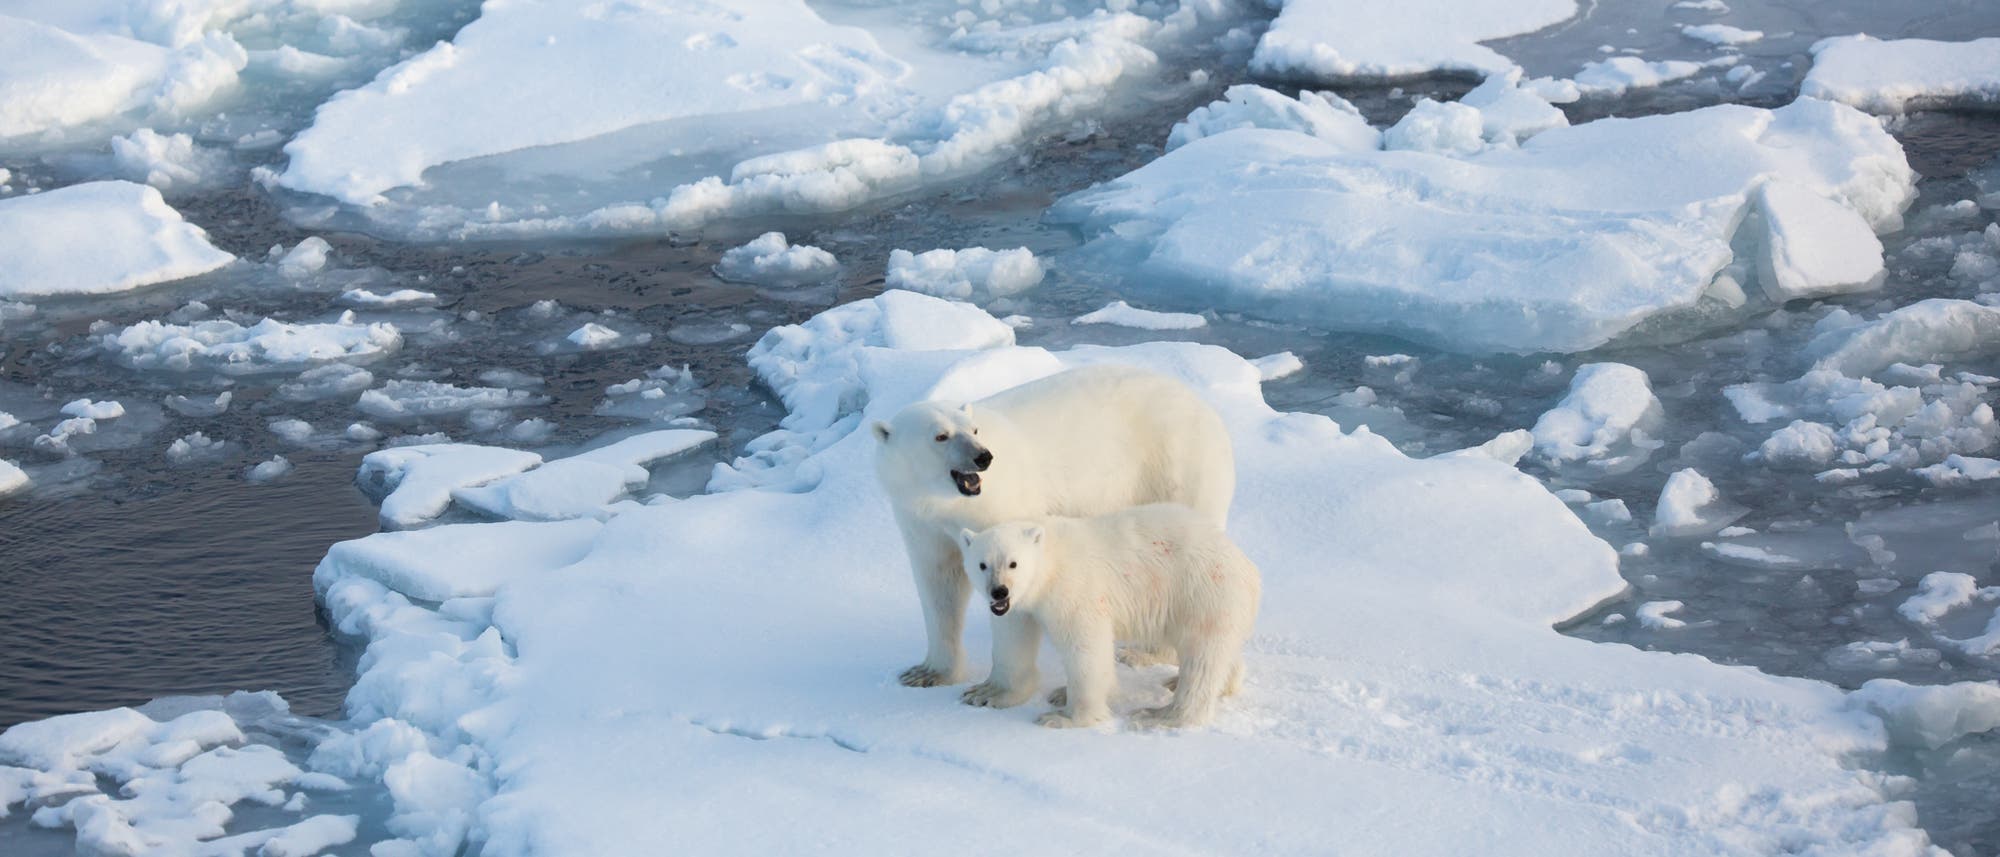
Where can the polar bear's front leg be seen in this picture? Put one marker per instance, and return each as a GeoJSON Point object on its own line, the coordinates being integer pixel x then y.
{"type": "Point", "coordinates": [1089, 657]}
{"type": "Point", "coordinates": [943, 589]}
{"type": "Point", "coordinates": [1017, 637]}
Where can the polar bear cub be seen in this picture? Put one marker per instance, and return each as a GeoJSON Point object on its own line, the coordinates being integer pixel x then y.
{"type": "Point", "coordinates": [1161, 574]}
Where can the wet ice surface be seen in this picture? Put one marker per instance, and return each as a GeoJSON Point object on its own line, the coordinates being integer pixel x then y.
{"type": "Point", "coordinates": [208, 570]}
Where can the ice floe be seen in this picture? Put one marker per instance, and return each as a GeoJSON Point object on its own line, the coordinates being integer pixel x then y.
{"type": "Point", "coordinates": [1896, 75]}
{"type": "Point", "coordinates": [514, 646]}
{"type": "Point", "coordinates": [1606, 419]}
{"type": "Point", "coordinates": [1561, 244]}
{"type": "Point", "coordinates": [1618, 75]}
{"type": "Point", "coordinates": [95, 238]}
{"type": "Point", "coordinates": [964, 274]}
{"type": "Point", "coordinates": [401, 399]}
{"type": "Point", "coordinates": [770, 260]}
{"type": "Point", "coordinates": [418, 481]}
{"type": "Point", "coordinates": [1123, 314]}
{"type": "Point", "coordinates": [1336, 39]}
{"type": "Point", "coordinates": [579, 485]}
{"type": "Point", "coordinates": [1247, 105]}
{"type": "Point", "coordinates": [269, 345]}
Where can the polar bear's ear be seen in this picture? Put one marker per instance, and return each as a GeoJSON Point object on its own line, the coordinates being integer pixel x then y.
{"type": "Point", "coordinates": [965, 536]}
{"type": "Point", "coordinates": [881, 430]}
{"type": "Point", "coordinates": [965, 407]}
{"type": "Point", "coordinates": [1034, 535]}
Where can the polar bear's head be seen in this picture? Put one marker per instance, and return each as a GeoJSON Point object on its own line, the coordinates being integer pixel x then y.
{"type": "Point", "coordinates": [934, 444]}
{"type": "Point", "coordinates": [1005, 561]}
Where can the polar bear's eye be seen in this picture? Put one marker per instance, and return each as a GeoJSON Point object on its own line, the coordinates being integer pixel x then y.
{"type": "Point", "coordinates": [1011, 564]}
{"type": "Point", "coordinates": [942, 437]}
{"type": "Point", "coordinates": [982, 566]}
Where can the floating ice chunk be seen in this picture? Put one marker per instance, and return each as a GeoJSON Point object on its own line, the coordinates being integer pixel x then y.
{"type": "Point", "coordinates": [311, 836]}
{"type": "Point", "coordinates": [771, 261]}
{"type": "Point", "coordinates": [1689, 505]}
{"type": "Point", "coordinates": [1941, 592]}
{"type": "Point", "coordinates": [105, 410]}
{"type": "Point", "coordinates": [188, 406]}
{"type": "Point", "coordinates": [419, 479]}
{"type": "Point", "coordinates": [961, 274]}
{"type": "Point", "coordinates": [457, 560]}
{"type": "Point", "coordinates": [1653, 614]}
{"type": "Point", "coordinates": [1716, 6]}
{"type": "Point", "coordinates": [1899, 75]}
{"type": "Point", "coordinates": [267, 346]}
{"type": "Point", "coordinates": [1336, 39]}
{"type": "Point", "coordinates": [1505, 447]}
{"type": "Point", "coordinates": [1444, 128]}
{"type": "Point", "coordinates": [397, 298]}
{"type": "Point", "coordinates": [596, 337]}
{"type": "Point", "coordinates": [57, 439]}
{"type": "Point", "coordinates": [643, 63]}
{"type": "Point", "coordinates": [13, 480]}
{"type": "Point", "coordinates": [582, 484]}
{"type": "Point", "coordinates": [1720, 34]}
{"type": "Point", "coordinates": [96, 238]}
{"type": "Point", "coordinates": [1751, 556]}
{"type": "Point", "coordinates": [1881, 656]}
{"type": "Point", "coordinates": [84, 70]}
{"type": "Point", "coordinates": [305, 259]}
{"type": "Point", "coordinates": [664, 394]}
{"type": "Point", "coordinates": [166, 161]}
{"type": "Point", "coordinates": [1938, 330]}
{"type": "Point", "coordinates": [1605, 418]}
{"type": "Point", "coordinates": [196, 447]}
{"type": "Point", "coordinates": [411, 400]}
{"type": "Point", "coordinates": [1930, 716]}
{"type": "Point", "coordinates": [1123, 314]}
{"type": "Point", "coordinates": [268, 471]}
{"type": "Point", "coordinates": [63, 741]}
{"type": "Point", "coordinates": [1618, 75]}
{"type": "Point", "coordinates": [1283, 364]}
{"type": "Point", "coordinates": [1960, 469]}
{"type": "Point", "coordinates": [1815, 246]}
{"type": "Point", "coordinates": [326, 382]}
{"type": "Point", "coordinates": [1561, 244]}
{"type": "Point", "coordinates": [1801, 444]}
{"type": "Point", "coordinates": [1511, 111]}
{"type": "Point", "coordinates": [1323, 115]}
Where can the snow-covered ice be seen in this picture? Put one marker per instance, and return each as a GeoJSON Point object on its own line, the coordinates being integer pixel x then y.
{"type": "Point", "coordinates": [770, 260]}
{"type": "Point", "coordinates": [13, 480]}
{"type": "Point", "coordinates": [414, 400]}
{"type": "Point", "coordinates": [1123, 314]}
{"type": "Point", "coordinates": [1561, 244]}
{"type": "Point", "coordinates": [1721, 34]}
{"type": "Point", "coordinates": [269, 345]}
{"type": "Point", "coordinates": [1690, 505]}
{"type": "Point", "coordinates": [578, 657]}
{"type": "Point", "coordinates": [1897, 75]}
{"type": "Point", "coordinates": [1320, 114]}
{"type": "Point", "coordinates": [95, 238]}
{"type": "Point", "coordinates": [962, 274]}
{"type": "Point", "coordinates": [419, 480]}
{"type": "Point", "coordinates": [1336, 39]}
{"type": "Point", "coordinates": [1604, 419]}
{"type": "Point", "coordinates": [579, 485]}
{"type": "Point", "coordinates": [1619, 75]}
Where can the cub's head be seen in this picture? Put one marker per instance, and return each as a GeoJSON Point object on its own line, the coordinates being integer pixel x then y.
{"type": "Point", "coordinates": [1005, 562]}
{"type": "Point", "coordinates": [934, 444]}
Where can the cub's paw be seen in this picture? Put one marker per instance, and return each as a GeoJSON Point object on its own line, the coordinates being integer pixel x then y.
{"type": "Point", "coordinates": [987, 694]}
{"type": "Point", "coordinates": [1066, 720]}
{"type": "Point", "coordinates": [925, 676]}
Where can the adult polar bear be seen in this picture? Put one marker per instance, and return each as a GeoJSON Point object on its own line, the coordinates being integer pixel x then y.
{"type": "Point", "coordinates": [1084, 442]}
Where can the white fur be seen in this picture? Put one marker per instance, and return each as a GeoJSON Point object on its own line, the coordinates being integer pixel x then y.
{"type": "Point", "coordinates": [1160, 575]}
{"type": "Point", "coordinates": [1082, 442]}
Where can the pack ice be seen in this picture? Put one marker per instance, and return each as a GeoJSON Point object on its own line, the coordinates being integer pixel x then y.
{"type": "Point", "coordinates": [97, 238]}
{"type": "Point", "coordinates": [645, 106]}
{"type": "Point", "coordinates": [1333, 39]}
{"type": "Point", "coordinates": [673, 673]}
{"type": "Point", "coordinates": [1561, 243]}
{"type": "Point", "coordinates": [1897, 75]}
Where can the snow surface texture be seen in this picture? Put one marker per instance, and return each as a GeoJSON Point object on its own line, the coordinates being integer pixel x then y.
{"type": "Point", "coordinates": [1560, 244]}
{"type": "Point", "coordinates": [587, 657]}
{"type": "Point", "coordinates": [1899, 75]}
{"type": "Point", "coordinates": [963, 274]}
{"type": "Point", "coordinates": [1329, 40]}
{"type": "Point", "coordinates": [179, 765]}
{"type": "Point", "coordinates": [839, 119]}
{"type": "Point", "coordinates": [96, 238]}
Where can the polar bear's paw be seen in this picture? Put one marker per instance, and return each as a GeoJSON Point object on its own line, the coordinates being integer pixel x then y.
{"type": "Point", "coordinates": [987, 694]}
{"type": "Point", "coordinates": [924, 675]}
{"type": "Point", "coordinates": [1067, 720]}
{"type": "Point", "coordinates": [1166, 717]}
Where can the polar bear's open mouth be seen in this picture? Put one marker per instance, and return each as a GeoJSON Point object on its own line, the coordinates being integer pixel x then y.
{"type": "Point", "coordinates": [968, 483]}
{"type": "Point", "coordinates": [999, 607]}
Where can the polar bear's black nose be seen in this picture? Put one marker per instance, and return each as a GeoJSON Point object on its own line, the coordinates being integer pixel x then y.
{"type": "Point", "coordinates": [983, 459]}
{"type": "Point", "coordinates": [999, 593]}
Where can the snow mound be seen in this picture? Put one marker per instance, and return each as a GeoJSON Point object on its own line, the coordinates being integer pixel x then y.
{"type": "Point", "coordinates": [1900, 75]}
{"type": "Point", "coordinates": [1329, 40]}
{"type": "Point", "coordinates": [1604, 419]}
{"type": "Point", "coordinates": [772, 261]}
{"type": "Point", "coordinates": [13, 480]}
{"type": "Point", "coordinates": [964, 273]}
{"type": "Point", "coordinates": [269, 345]}
{"type": "Point", "coordinates": [702, 631]}
{"type": "Point", "coordinates": [1690, 506]}
{"type": "Point", "coordinates": [1560, 244]}
{"type": "Point", "coordinates": [1324, 115]}
{"type": "Point", "coordinates": [97, 238]}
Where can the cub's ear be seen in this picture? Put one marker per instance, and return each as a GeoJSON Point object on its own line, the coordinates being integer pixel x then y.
{"type": "Point", "coordinates": [1034, 535]}
{"type": "Point", "coordinates": [965, 537]}
{"type": "Point", "coordinates": [881, 431]}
